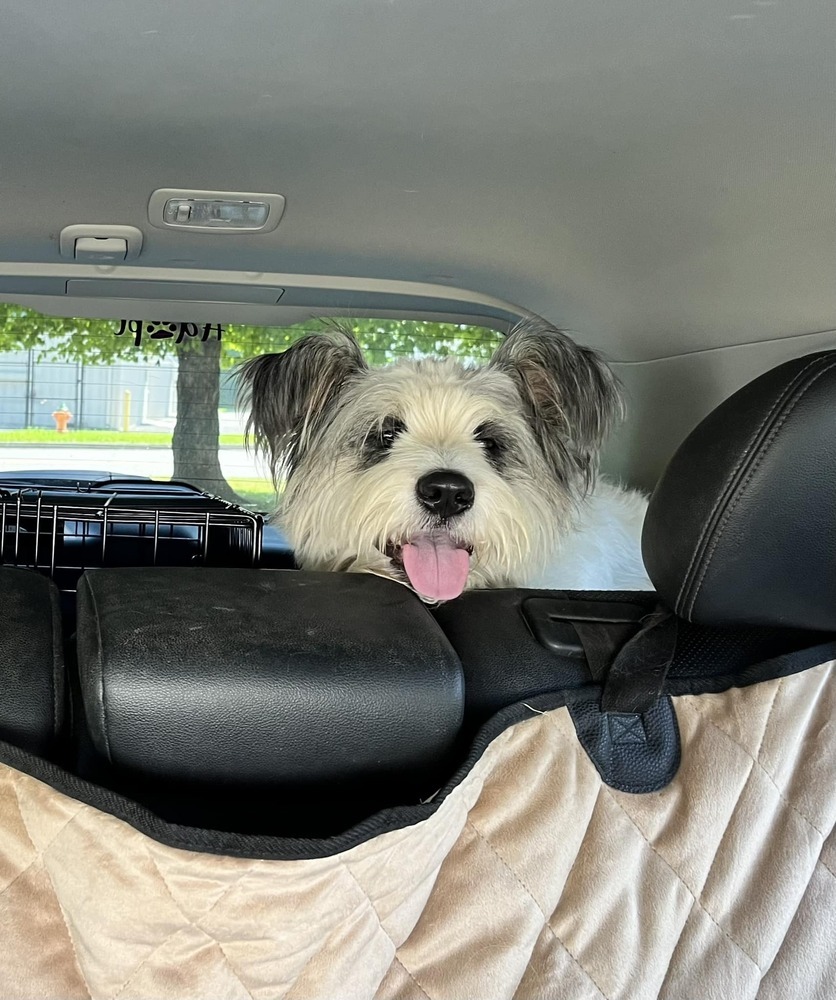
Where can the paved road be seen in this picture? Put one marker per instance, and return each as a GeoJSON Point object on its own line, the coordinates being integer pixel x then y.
{"type": "Point", "coordinates": [154, 462]}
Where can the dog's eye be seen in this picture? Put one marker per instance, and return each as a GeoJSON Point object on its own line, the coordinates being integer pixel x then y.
{"type": "Point", "coordinates": [378, 439]}
{"type": "Point", "coordinates": [390, 429]}
{"type": "Point", "coordinates": [484, 436]}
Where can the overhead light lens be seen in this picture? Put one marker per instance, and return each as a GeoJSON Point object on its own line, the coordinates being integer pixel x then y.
{"type": "Point", "coordinates": [206, 213]}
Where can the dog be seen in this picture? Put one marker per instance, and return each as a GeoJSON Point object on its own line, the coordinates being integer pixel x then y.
{"type": "Point", "coordinates": [444, 476]}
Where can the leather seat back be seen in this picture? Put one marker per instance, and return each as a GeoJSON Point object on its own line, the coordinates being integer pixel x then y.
{"type": "Point", "coordinates": [32, 676]}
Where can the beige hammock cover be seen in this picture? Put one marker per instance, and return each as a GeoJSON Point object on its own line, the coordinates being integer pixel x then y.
{"type": "Point", "coordinates": [532, 880]}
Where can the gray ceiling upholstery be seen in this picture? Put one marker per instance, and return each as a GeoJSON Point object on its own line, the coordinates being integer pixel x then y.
{"type": "Point", "coordinates": [658, 177]}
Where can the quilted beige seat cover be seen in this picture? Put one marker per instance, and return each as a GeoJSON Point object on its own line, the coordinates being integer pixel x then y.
{"type": "Point", "coordinates": [531, 880]}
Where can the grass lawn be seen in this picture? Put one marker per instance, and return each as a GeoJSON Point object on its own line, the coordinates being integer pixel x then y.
{"type": "Point", "coordinates": [159, 439]}
{"type": "Point", "coordinates": [258, 494]}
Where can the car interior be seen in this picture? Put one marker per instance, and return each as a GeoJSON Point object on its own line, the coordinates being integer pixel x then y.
{"type": "Point", "coordinates": [655, 181]}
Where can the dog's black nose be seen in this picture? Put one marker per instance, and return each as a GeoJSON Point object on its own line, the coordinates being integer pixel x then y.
{"type": "Point", "coordinates": [445, 493]}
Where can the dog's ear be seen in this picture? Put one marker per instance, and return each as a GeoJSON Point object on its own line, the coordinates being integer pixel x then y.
{"type": "Point", "coordinates": [571, 397]}
{"type": "Point", "coordinates": [290, 395]}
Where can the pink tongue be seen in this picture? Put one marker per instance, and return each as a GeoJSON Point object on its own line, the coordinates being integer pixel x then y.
{"type": "Point", "coordinates": [436, 567]}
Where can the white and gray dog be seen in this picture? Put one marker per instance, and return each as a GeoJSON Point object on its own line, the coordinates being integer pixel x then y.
{"type": "Point", "coordinates": [445, 476]}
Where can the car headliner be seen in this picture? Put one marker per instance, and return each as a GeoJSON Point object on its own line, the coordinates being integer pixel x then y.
{"type": "Point", "coordinates": [657, 178]}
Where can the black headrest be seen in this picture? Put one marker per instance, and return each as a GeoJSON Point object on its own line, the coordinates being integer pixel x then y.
{"type": "Point", "coordinates": [260, 677]}
{"type": "Point", "coordinates": [742, 525]}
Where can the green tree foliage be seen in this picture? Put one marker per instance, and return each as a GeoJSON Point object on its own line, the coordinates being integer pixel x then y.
{"type": "Point", "coordinates": [94, 341]}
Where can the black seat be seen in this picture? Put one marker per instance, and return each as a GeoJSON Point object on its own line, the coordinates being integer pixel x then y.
{"type": "Point", "coordinates": [32, 677]}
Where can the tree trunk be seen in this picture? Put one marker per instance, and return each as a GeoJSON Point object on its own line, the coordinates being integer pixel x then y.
{"type": "Point", "coordinates": [196, 432]}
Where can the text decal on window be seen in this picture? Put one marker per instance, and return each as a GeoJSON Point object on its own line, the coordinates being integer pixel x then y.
{"type": "Point", "coordinates": [178, 332]}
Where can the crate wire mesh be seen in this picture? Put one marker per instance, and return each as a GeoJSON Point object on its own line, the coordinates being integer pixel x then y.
{"type": "Point", "coordinates": [62, 532]}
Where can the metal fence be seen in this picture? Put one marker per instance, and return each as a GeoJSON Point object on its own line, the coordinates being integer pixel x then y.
{"type": "Point", "coordinates": [119, 396]}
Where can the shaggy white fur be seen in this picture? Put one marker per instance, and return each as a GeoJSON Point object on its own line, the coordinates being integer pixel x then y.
{"type": "Point", "coordinates": [447, 477]}
{"type": "Point", "coordinates": [603, 549]}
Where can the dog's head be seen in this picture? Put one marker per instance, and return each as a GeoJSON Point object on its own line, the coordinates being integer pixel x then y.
{"type": "Point", "coordinates": [437, 474]}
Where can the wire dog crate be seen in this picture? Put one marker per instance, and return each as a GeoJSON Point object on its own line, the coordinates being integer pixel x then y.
{"type": "Point", "coordinates": [62, 530]}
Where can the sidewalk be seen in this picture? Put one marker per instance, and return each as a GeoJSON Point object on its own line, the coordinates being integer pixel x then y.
{"type": "Point", "coordinates": [142, 460]}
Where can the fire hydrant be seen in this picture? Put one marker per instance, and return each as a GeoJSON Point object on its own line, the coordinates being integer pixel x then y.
{"type": "Point", "coordinates": [62, 417]}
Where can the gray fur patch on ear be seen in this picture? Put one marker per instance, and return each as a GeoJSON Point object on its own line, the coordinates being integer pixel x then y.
{"type": "Point", "coordinates": [571, 397]}
{"type": "Point", "coordinates": [291, 395]}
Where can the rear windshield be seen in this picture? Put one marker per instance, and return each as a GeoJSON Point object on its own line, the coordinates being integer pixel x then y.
{"type": "Point", "coordinates": [156, 399]}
